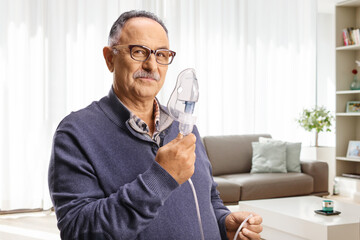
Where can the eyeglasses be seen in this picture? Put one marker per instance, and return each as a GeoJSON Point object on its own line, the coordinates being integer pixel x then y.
{"type": "Point", "coordinates": [142, 54]}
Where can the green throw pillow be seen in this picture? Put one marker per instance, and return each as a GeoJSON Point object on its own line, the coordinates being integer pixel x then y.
{"type": "Point", "coordinates": [292, 154]}
{"type": "Point", "coordinates": [269, 157]}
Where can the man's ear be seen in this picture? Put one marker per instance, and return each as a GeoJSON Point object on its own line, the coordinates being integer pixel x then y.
{"type": "Point", "coordinates": [109, 58]}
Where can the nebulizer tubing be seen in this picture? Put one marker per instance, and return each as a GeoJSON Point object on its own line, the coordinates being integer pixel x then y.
{"type": "Point", "coordinates": [241, 226]}
{"type": "Point", "coordinates": [181, 107]}
{"type": "Point", "coordinates": [197, 208]}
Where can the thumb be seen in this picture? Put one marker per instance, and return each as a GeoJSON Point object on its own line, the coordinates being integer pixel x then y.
{"type": "Point", "coordinates": [175, 140]}
{"type": "Point", "coordinates": [179, 136]}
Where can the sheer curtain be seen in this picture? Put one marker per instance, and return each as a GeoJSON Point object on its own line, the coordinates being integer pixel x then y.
{"type": "Point", "coordinates": [255, 61]}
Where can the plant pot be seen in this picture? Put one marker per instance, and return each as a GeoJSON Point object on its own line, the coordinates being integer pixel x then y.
{"type": "Point", "coordinates": [321, 153]}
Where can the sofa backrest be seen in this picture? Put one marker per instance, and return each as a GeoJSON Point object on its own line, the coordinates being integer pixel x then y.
{"type": "Point", "coordinates": [231, 154]}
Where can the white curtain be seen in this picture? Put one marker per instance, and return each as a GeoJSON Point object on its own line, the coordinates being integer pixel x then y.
{"type": "Point", "coordinates": [255, 62]}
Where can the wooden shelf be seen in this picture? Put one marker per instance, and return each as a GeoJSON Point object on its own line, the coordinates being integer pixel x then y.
{"type": "Point", "coordinates": [350, 47]}
{"type": "Point", "coordinates": [347, 114]}
{"type": "Point", "coordinates": [348, 159]}
{"type": "Point", "coordinates": [347, 123]}
{"type": "Point", "coordinates": [349, 3]}
{"type": "Point", "coordinates": [348, 92]}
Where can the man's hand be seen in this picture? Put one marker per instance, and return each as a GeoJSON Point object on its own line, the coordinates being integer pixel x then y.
{"type": "Point", "coordinates": [178, 157]}
{"type": "Point", "coordinates": [250, 231]}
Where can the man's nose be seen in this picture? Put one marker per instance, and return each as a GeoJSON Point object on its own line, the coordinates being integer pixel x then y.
{"type": "Point", "coordinates": [150, 64]}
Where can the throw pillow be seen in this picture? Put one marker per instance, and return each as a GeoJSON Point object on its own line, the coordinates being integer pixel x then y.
{"type": "Point", "coordinates": [269, 157]}
{"type": "Point", "coordinates": [292, 154]}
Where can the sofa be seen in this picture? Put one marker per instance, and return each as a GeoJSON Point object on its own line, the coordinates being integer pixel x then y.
{"type": "Point", "coordinates": [231, 159]}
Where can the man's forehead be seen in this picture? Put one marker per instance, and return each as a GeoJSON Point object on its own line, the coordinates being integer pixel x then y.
{"type": "Point", "coordinates": [142, 29]}
{"type": "Point", "coordinates": [141, 20]}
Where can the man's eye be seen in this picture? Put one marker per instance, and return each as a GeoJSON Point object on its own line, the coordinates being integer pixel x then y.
{"type": "Point", "coordinates": [139, 52]}
{"type": "Point", "coordinates": [162, 54]}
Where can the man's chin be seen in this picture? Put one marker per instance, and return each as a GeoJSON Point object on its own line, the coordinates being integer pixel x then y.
{"type": "Point", "coordinates": [147, 88]}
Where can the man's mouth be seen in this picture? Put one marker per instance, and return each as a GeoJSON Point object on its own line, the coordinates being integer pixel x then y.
{"type": "Point", "coordinates": [147, 78]}
{"type": "Point", "coordinates": [146, 75]}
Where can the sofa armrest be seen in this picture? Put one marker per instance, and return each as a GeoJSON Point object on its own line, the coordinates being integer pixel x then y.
{"type": "Point", "coordinates": [319, 171]}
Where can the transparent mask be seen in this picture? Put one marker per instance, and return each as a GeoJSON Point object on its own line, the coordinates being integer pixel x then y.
{"type": "Point", "coordinates": [182, 101]}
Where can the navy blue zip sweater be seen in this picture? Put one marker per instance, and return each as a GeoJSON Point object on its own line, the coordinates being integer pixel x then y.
{"type": "Point", "coordinates": [105, 184]}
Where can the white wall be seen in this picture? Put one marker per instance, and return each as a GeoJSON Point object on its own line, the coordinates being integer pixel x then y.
{"type": "Point", "coordinates": [326, 63]}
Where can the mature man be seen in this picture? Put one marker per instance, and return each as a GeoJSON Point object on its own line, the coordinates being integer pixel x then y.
{"type": "Point", "coordinates": [119, 167]}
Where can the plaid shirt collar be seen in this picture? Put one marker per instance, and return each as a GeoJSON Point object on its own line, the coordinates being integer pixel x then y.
{"type": "Point", "coordinates": [143, 126]}
{"type": "Point", "coordinates": [162, 120]}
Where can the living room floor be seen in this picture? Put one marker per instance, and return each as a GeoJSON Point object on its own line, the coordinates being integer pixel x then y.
{"type": "Point", "coordinates": [29, 226]}
{"type": "Point", "coordinates": [42, 225]}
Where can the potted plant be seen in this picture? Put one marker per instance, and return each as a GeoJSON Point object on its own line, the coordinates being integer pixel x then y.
{"type": "Point", "coordinates": [318, 119]}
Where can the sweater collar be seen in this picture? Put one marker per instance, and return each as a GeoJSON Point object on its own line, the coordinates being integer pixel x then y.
{"type": "Point", "coordinates": [120, 114]}
{"type": "Point", "coordinates": [113, 109]}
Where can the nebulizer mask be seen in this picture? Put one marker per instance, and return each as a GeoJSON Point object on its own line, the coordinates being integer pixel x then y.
{"type": "Point", "coordinates": [182, 101]}
{"type": "Point", "coordinates": [181, 107]}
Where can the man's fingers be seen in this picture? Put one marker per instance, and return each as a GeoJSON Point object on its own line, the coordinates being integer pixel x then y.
{"type": "Point", "coordinates": [254, 228]}
{"type": "Point", "coordinates": [178, 157]}
{"type": "Point", "coordinates": [248, 234]}
{"type": "Point", "coordinates": [189, 140]}
{"type": "Point", "coordinates": [242, 236]}
{"type": "Point", "coordinates": [255, 220]}
{"type": "Point", "coordinates": [179, 136]}
{"type": "Point", "coordinates": [184, 143]}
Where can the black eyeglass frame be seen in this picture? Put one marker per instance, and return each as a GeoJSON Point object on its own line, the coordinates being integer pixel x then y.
{"type": "Point", "coordinates": [172, 53]}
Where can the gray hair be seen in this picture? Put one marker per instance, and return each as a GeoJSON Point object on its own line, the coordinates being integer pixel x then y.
{"type": "Point", "coordinates": [118, 25]}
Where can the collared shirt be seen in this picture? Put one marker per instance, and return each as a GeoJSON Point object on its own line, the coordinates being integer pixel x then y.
{"type": "Point", "coordinates": [162, 120]}
{"type": "Point", "coordinates": [143, 127]}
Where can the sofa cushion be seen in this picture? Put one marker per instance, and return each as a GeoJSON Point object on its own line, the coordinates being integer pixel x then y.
{"type": "Point", "coordinates": [271, 185]}
{"type": "Point", "coordinates": [230, 154]}
{"type": "Point", "coordinates": [269, 157]}
{"type": "Point", "coordinates": [292, 154]}
{"type": "Point", "coordinates": [229, 191]}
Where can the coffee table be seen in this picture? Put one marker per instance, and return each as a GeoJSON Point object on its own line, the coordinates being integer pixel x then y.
{"type": "Point", "coordinates": [294, 219]}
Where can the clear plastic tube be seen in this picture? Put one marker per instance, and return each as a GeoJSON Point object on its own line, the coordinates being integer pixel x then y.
{"type": "Point", "coordinates": [241, 226]}
{"type": "Point", "coordinates": [197, 209]}
{"type": "Point", "coordinates": [186, 123]}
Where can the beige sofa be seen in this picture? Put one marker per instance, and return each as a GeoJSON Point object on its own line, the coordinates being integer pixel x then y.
{"type": "Point", "coordinates": [231, 158]}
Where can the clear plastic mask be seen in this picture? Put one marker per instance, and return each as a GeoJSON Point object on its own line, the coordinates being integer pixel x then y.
{"type": "Point", "coordinates": [182, 101]}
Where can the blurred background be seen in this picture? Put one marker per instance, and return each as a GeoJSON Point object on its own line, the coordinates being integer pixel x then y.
{"type": "Point", "coordinates": [258, 63]}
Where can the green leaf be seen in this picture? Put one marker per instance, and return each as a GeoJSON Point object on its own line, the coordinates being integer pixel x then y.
{"type": "Point", "coordinates": [318, 118]}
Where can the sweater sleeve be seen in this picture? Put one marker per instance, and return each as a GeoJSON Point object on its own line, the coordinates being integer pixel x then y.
{"type": "Point", "coordinates": [220, 210]}
{"type": "Point", "coordinates": [84, 212]}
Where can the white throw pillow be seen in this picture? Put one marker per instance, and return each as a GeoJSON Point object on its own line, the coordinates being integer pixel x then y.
{"type": "Point", "coordinates": [292, 154]}
{"type": "Point", "coordinates": [269, 157]}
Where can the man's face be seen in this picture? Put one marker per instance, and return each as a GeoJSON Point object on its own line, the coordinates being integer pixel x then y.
{"type": "Point", "coordinates": [145, 32]}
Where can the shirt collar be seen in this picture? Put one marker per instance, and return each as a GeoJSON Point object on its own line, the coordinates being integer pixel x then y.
{"type": "Point", "coordinates": [162, 121]}
{"type": "Point", "coordinates": [142, 126]}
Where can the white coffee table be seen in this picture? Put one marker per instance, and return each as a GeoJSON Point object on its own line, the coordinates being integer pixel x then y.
{"type": "Point", "coordinates": [294, 219]}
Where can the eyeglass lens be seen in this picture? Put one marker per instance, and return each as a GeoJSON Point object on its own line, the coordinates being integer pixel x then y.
{"type": "Point", "coordinates": [141, 54]}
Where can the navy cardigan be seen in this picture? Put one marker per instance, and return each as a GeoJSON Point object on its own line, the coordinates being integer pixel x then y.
{"type": "Point", "coordinates": [105, 184]}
